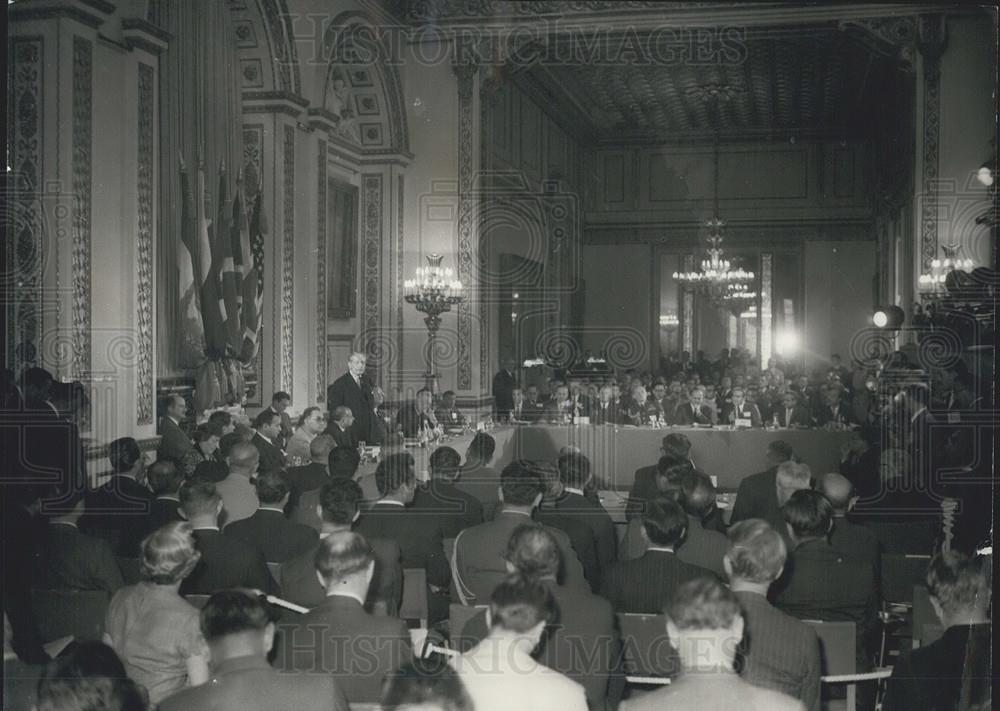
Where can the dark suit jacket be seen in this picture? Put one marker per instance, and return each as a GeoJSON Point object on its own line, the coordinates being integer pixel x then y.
{"type": "Point", "coordinates": [420, 538]}
{"type": "Point", "coordinates": [591, 514]}
{"type": "Point", "coordinates": [685, 415]}
{"type": "Point", "coordinates": [609, 414]}
{"type": "Point", "coordinates": [70, 560]}
{"type": "Point", "coordinates": [581, 539]}
{"type": "Point", "coordinates": [503, 393]}
{"type": "Point", "coordinates": [824, 415]}
{"type": "Point", "coordinates": [410, 420]}
{"type": "Point", "coordinates": [340, 437]}
{"type": "Point", "coordinates": [273, 535]}
{"type": "Point", "coordinates": [820, 583]}
{"type": "Point", "coordinates": [174, 442]}
{"type": "Point", "coordinates": [251, 684]}
{"type": "Point", "coordinates": [300, 585]}
{"type": "Point", "coordinates": [271, 458]}
{"type": "Point", "coordinates": [162, 512]}
{"type": "Point", "coordinates": [286, 428]}
{"type": "Point", "coordinates": [749, 411]}
{"type": "Point", "coordinates": [800, 416]}
{"type": "Point", "coordinates": [711, 691]}
{"type": "Point", "coordinates": [932, 677]}
{"type": "Point", "coordinates": [118, 511]}
{"type": "Point", "coordinates": [703, 547]}
{"type": "Point", "coordinates": [211, 470]}
{"type": "Point", "coordinates": [856, 541]}
{"type": "Point", "coordinates": [226, 562]}
{"type": "Point", "coordinates": [307, 477]}
{"type": "Point", "coordinates": [757, 497]}
{"type": "Point", "coordinates": [454, 508]}
{"type": "Point", "coordinates": [480, 482]}
{"type": "Point", "coordinates": [778, 652]}
{"type": "Point", "coordinates": [345, 391]}
{"type": "Point", "coordinates": [339, 639]}
{"type": "Point", "coordinates": [643, 585]}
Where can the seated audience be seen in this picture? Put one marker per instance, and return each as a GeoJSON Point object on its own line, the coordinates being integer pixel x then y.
{"type": "Point", "coordinates": [267, 435]}
{"type": "Point", "coordinates": [778, 651]}
{"type": "Point", "coordinates": [279, 406]}
{"type": "Point", "coordinates": [267, 529]}
{"type": "Point", "coordinates": [206, 443]}
{"type": "Point", "coordinates": [428, 684]}
{"type": "Point", "coordinates": [67, 559]}
{"type": "Point", "coordinates": [739, 411]}
{"type": "Point", "coordinates": [165, 479]}
{"type": "Point", "coordinates": [448, 413]}
{"type": "Point", "coordinates": [439, 497]}
{"type": "Point", "coordinates": [420, 537]}
{"type": "Point", "coordinates": [418, 416]}
{"type": "Point", "coordinates": [237, 491]}
{"type": "Point", "coordinates": [702, 547]}
{"type": "Point", "coordinates": [479, 561]}
{"type": "Point", "coordinates": [851, 539]}
{"type": "Point", "coordinates": [605, 410]}
{"type": "Point", "coordinates": [581, 536]}
{"type": "Point", "coordinates": [89, 677]}
{"type": "Point", "coordinates": [641, 585]}
{"type": "Point", "coordinates": [239, 630]}
{"type": "Point", "coordinates": [584, 621]}
{"type": "Point", "coordinates": [217, 468]}
{"type": "Point", "coordinates": [311, 474]}
{"type": "Point", "coordinates": [151, 627]}
{"type": "Point", "coordinates": [174, 442]}
{"type": "Point", "coordinates": [340, 427]}
{"type": "Point", "coordinates": [477, 476]}
{"type": "Point", "coordinates": [694, 411]}
{"type": "Point", "coordinates": [311, 424]}
{"type": "Point", "coordinates": [651, 482]}
{"type": "Point", "coordinates": [117, 510]}
{"type": "Point", "coordinates": [791, 412]}
{"type": "Point", "coordinates": [761, 495]}
{"type": "Point", "coordinates": [223, 421]}
{"type": "Point", "coordinates": [704, 625]}
{"type": "Point", "coordinates": [953, 672]}
{"type": "Point", "coordinates": [225, 562]}
{"type": "Point", "coordinates": [822, 583]}
{"type": "Point", "coordinates": [499, 673]}
{"type": "Point", "coordinates": [339, 638]}
{"type": "Point", "coordinates": [338, 510]}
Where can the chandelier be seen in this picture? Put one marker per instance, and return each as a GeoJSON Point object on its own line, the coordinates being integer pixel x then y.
{"type": "Point", "coordinates": [433, 293]}
{"type": "Point", "coordinates": [725, 285]}
{"type": "Point", "coordinates": [932, 282]}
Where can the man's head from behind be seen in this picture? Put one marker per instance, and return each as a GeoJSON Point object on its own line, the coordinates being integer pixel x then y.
{"type": "Point", "coordinates": [237, 623]}
{"type": "Point", "coordinates": [533, 552]}
{"type": "Point", "coordinates": [778, 452]}
{"type": "Point", "coordinates": [88, 677]}
{"type": "Point", "coordinates": [340, 502]}
{"type": "Point", "coordinates": [960, 587]}
{"type": "Point", "coordinates": [838, 490]}
{"type": "Point", "coordinates": [319, 448]}
{"type": "Point", "coordinates": [445, 464]}
{"type": "Point", "coordinates": [791, 477]}
{"type": "Point", "coordinates": [244, 459]}
{"type": "Point", "coordinates": [124, 455]}
{"type": "Point", "coordinates": [521, 608]}
{"type": "Point", "coordinates": [342, 462]}
{"type": "Point", "coordinates": [808, 514]}
{"type": "Point", "coordinates": [756, 554]}
{"type": "Point", "coordinates": [670, 472]}
{"type": "Point", "coordinates": [395, 478]}
{"type": "Point", "coordinates": [574, 470]}
{"type": "Point", "coordinates": [697, 495]}
{"type": "Point", "coordinates": [704, 624]}
{"type": "Point", "coordinates": [200, 502]}
{"type": "Point", "coordinates": [664, 523]}
{"type": "Point", "coordinates": [425, 685]}
{"type": "Point", "coordinates": [164, 477]}
{"type": "Point", "coordinates": [273, 489]}
{"type": "Point", "coordinates": [520, 486]}
{"type": "Point", "coordinates": [345, 563]}
{"type": "Point", "coordinates": [480, 450]}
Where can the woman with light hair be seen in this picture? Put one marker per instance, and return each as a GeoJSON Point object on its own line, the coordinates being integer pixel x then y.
{"type": "Point", "coordinates": [152, 628]}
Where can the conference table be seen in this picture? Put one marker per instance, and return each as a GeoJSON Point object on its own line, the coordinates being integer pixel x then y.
{"type": "Point", "coordinates": [617, 451]}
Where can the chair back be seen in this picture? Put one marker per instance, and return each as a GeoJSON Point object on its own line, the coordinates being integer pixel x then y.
{"type": "Point", "coordinates": [65, 613]}
{"type": "Point", "coordinates": [837, 647]}
{"type": "Point", "coordinates": [646, 650]}
{"type": "Point", "coordinates": [414, 603]}
{"type": "Point", "coordinates": [902, 537]}
{"type": "Point", "coordinates": [197, 600]}
{"type": "Point", "coordinates": [901, 573]}
{"type": "Point", "coordinates": [131, 569]}
{"type": "Point", "coordinates": [468, 624]}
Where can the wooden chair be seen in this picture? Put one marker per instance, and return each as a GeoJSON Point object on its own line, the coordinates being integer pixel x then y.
{"type": "Point", "coordinates": [839, 663]}
{"type": "Point", "coordinates": [647, 657]}
{"type": "Point", "coordinates": [70, 613]}
{"type": "Point", "coordinates": [131, 569]}
{"type": "Point", "coordinates": [469, 624]}
{"type": "Point", "coordinates": [414, 603]}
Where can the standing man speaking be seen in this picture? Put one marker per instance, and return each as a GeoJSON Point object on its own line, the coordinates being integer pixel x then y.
{"type": "Point", "coordinates": [353, 390]}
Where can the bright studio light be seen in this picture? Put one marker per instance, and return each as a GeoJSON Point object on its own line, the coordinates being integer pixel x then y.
{"type": "Point", "coordinates": [880, 319]}
{"type": "Point", "coordinates": [786, 342]}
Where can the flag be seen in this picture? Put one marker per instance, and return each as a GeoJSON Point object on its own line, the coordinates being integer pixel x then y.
{"type": "Point", "coordinates": [253, 282]}
{"type": "Point", "coordinates": [208, 277]}
{"type": "Point", "coordinates": [233, 271]}
{"type": "Point", "coordinates": [192, 333]}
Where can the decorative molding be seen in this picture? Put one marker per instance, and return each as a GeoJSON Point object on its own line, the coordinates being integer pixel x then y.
{"type": "Point", "coordinates": [137, 33]}
{"type": "Point", "coordinates": [144, 248]}
{"type": "Point", "coordinates": [287, 256]}
{"type": "Point", "coordinates": [371, 270]}
{"type": "Point", "coordinates": [82, 113]}
{"type": "Point", "coordinates": [321, 237]}
{"type": "Point", "coordinates": [885, 35]}
{"type": "Point", "coordinates": [398, 297]}
{"type": "Point", "coordinates": [931, 45]}
{"type": "Point", "coordinates": [23, 249]}
{"type": "Point", "coordinates": [91, 13]}
{"type": "Point", "coordinates": [466, 73]}
{"type": "Point", "coordinates": [253, 140]}
{"type": "Point", "coordinates": [489, 87]}
{"type": "Point", "coordinates": [285, 55]}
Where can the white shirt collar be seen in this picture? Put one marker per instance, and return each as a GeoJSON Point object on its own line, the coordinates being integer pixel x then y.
{"type": "Point", "coordinates": [272, 508]}
{"type": "Point", "coordinates": [391, 502]}
{"type": "Point", "coordinates": [662, 549]}
{"type": "Point", "coordinates": [206, 528]}
{"type": "Point", "coordinates": [570, 489]}
{"type": "Point", "coordinates": [346, 594]}
{"type": "Point", "coordinates": [518, 513]}
{"type": "Point", "coordinates": [63, 523]}
{"type": "Point", "coordinates": [167, 497]}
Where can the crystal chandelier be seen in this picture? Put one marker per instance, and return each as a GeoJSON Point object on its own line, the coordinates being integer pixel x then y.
{"type": "Point", "coordinates": [932, 282]}
{"type": "Point", "coordinates": [717, 276]}
{"type": "Point", "coordinates": [433, 293]}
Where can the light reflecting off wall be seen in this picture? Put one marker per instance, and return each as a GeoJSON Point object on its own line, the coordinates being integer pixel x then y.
{"type": "Point", "coordinates": [786, 343]}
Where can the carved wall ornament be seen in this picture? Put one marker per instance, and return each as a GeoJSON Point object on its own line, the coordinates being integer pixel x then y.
{"type": "Point", "coordinates": [82, 134]}
{"type": "Point", "coordinates": [144, 248]}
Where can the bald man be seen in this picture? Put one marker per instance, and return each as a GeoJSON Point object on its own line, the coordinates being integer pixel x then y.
{"type": "Point", "coordinates": [853, 540]}
{"type": "Point", "coordinates": [239, 496]}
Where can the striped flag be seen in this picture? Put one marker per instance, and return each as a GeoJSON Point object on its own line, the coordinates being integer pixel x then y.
{"type": "Point", "coordinates": [253, 282]}
{"type": "Point", "coordinates": [192, 332]}
{"type": "Point", "coordinates": [234, 268]}
{"type": "Point", "coordinates": [207, 273]}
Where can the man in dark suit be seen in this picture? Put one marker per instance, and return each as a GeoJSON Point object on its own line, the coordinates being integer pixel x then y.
{"type": "Point", "coordinates": [174, 442]}
{"type": "Point", "coordinates": [267, 429]}
{"type": "Point", "coordinates": [70, 560]}
{"type": "Point", "coordinates": [777, 651]}
{"type": "Point", "coordinates": [580, 534]}
{"type": "Point", "coordinates": [834, 412]}
{"type": "Point", "coordinates": [792, 413]}
{"type": "Point", "coordinates": [477, 477]}
{"type": "Point", "coordinates": [279, 406]}
{"type": "Point", "coordinates": [823, 583]}
{"type": "Point", "coordinates": [420, 537]}
{"type": "Point", "coordinates": [702, 547]}
{"type": "Point", "coordinates": [356, 648]}
{"type": "Point", "coordinates": [225, 562]}
{"type": "Point", "coordinates": [309, 477]}
{"type": "Point", "coordinates": [239, 630]}
{"type": "Point", "coordinates": [757, 496]}
{"type": "Point", "coordinates": [694, 411]}
{"type": "Point", "coordinates": [586, 621]}
{"type": "Point", "coordinates": [479, 551]}
{"type": "Point", "coordinates": [952, 672]}
{"type": "Point", "coordinates": [341, 427]}
{"type": "Point", "coordinates": [851, 539]}
{"type": "Point", "coordinates": [418, 416]}
{"type": "Point", "coordinates": [503, 388]}
{"type": "Point", "coordinates": [642, 585]}
{"type": "Point", "coordinates": [448, 413]}
{"type": "Point", "coordinates": [165, 479]}
{"type": "Point", "coordinates": [353, 390]}
{"type": "Point", "coordinates": [740, 412]}
{"type": "Point", "coordinates": [534, 404]}
{"type": "Point", "coordinates": [519, 411]}
{"type": "Point", "coordinates": [440, 498]}
{"type": "Point", "coordinates": [704, 625]}
{"type": "Point", "coordinates": [268, 530]}
{"type": "Point", "coordinates": [605, 410]}
{"type": "Point", "coordinates": [118, 510]}
{"type": "Point", "coordinates": [339, 507]}
{"type": "Point", "coordinates": [661, 479]}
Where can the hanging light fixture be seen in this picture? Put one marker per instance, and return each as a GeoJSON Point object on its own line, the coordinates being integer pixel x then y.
{"type": "Point", "coordinates": [717, 277]}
